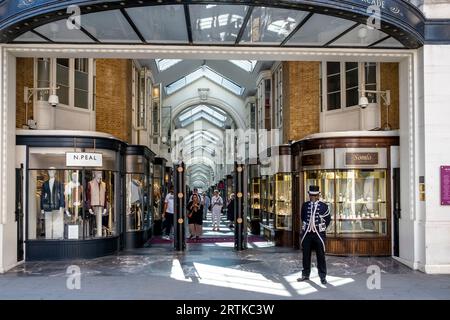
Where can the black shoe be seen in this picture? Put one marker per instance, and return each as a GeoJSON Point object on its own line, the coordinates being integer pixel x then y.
{"type": "Point", "coordinates": [190, 237]}
{"type": "Point", "coordinates": [323, 281]}
{"type": "Point", "coordinates": [303, 278]}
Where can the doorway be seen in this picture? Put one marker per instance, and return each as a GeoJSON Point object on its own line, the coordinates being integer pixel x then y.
{"type": "Point", "coordinates": [19, 212]}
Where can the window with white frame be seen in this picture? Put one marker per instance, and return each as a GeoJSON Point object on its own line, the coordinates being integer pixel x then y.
{"type": "Point", "coordinates": [333, 85]}
{"type": "Point", "coordinates": [82, 83]}
{"type": "Point", "coordinates": [345, 80]}
{"type": "Point", "coordinates": [278, 110]}
{"type": "Point", "coordinates": [74, 77]}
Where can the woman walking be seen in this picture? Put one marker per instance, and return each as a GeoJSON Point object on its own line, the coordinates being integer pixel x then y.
{"type": "Point", "coordinates": [216, 209]}
{"type": "Point", "coordinates": [195, 215]}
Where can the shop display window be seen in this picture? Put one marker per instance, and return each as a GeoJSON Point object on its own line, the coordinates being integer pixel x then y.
{"type": "Point", "coordinates": [361, 202]}
{"type": "Point", "coordinates": [283, 200]}
{"type": "Point", "coordinates": [255, 198]}
{"type": "Point", "coordinates": [357, 200]}
{"type": "Point", "coordinates": [71, 204]}
{"type": "Point", "coordinates": [325, 180]}
{"type": "Point", "coordinates": [137, 202]}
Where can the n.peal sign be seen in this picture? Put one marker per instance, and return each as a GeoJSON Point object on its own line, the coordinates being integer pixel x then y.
{"type": "Point", "coordinates": [445, 185]}
{"type": "Point", "coordinates": [84, 159]}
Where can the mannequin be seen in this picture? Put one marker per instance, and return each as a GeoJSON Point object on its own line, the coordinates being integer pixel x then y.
{"type": "Point", "coordinates": [96, 200]}
{"type": "Point", "coordinates": [52, 206]}
{"type": "Point", "coordinates": [74, 196]}
{"type": "Point", "coordinates": [136, 202]}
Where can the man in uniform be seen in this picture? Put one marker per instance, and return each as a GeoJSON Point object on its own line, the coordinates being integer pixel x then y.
{"type": "Point", "coordinates": [315, 217]}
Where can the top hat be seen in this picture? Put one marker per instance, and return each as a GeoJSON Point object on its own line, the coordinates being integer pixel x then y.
{"type": "Point", "coordinates": [313, 190]}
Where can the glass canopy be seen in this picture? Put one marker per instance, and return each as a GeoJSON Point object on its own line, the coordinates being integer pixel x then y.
{"type": "Point", "coordinates": [210, 24]}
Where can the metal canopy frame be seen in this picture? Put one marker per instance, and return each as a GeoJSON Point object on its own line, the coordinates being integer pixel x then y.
{"type": "Point", "coordinates": [400, 19]}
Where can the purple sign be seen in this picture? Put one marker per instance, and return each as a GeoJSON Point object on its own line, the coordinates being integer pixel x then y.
{"type": "Point", "coordinates": [445, 185]}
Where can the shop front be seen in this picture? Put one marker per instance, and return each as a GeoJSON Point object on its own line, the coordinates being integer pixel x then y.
{"type": "Point", "coordinates": [159, 193]}
{"type": "Point", "coordinates": [72, 193]}
{"type": "Point", "coordinates": [276, 185]}
{"type": "Point", "coordinates": [139, 195]}
{"type": "Point", "coordinates": [355, 174]}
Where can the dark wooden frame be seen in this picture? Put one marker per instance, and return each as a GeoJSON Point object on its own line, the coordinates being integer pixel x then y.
{"type": "Point", "coordinates": [363, 245]}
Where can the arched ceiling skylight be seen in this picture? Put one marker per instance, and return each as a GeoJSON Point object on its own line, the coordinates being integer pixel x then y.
{"type": "Point", "coordinates": [205, 71]}
{"type": "Point", "coordinates": [209, 113]}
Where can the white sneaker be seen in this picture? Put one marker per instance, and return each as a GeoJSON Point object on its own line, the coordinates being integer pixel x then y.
{"type": "Point", "coordinates": [166, 237]}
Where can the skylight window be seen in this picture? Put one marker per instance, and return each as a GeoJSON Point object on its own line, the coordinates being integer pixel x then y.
{"type": "Point", "coordinates": [164, 64]}
{"type": "Point", "coordinates": [215, 116]}
{"type": "Point", "coordinates": [247, 65]}
{"type": "Point", "coordinates": [205, 71]}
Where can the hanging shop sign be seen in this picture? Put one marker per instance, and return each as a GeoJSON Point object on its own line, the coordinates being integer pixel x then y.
{"type": "Point", "coordinates": [84, 159]}
{"type": "Point", "coordinates": [445, 185]}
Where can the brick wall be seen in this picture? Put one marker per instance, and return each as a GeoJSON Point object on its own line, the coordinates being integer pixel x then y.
{"type": "Point", "coordinates": [24, 78]}
{"type": "Point", "coordinates": [301, 99]}
{"type": "Point", "coordinates": [113, 97]}
{"type": "Point", "coordinates": [389, 74]}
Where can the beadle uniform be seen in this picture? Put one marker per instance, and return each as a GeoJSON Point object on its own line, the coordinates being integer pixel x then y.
{"type": "Point", "coordinates": [315, 217]}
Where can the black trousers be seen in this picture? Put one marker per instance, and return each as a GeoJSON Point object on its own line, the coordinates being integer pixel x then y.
{"type": "Point", "coordinates": [310, 243]}
{"type": "Point", "coordinates": [168, 223]}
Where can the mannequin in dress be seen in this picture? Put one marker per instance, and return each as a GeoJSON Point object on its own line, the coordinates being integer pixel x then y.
{"type": "Point", "coordinates": [96, 200]}
{"type": "Point", "coordinates": [52, 206]}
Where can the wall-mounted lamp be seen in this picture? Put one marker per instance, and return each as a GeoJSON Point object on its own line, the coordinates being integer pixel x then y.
{"type": "Point", "coordinates": [385, 95]}
{"type": "Point", "coordinates": [53, 99]}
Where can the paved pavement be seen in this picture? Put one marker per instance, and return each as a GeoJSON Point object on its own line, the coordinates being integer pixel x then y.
{"type": "Point", "coordinates": [216, 271]}
{"type": "Point", "coordinates": [209, 271]}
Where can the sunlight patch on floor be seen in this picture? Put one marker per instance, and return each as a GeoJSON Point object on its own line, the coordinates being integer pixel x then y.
{"type": "Point", "coordinates": [237, 279]}
{"type": "Point", "coordinates": [177, 271]}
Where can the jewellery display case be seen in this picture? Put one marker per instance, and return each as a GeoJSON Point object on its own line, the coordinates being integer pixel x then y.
{"type": "Point", "coordinates": [353, 174]}
{"type": "Point", "coordinates": [283, 201]}
{"type": "Point", "coordinates": [361, 202]}
{"type": "Point", "coordinates": [254, 203]}
{"type": "Point", "coordinates": [277, 193]}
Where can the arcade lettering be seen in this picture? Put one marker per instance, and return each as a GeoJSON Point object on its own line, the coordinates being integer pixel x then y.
{"type": "Point", "coordinates": [378, 3]}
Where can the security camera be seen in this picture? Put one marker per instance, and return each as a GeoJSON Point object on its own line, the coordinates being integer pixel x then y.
{"type": "Point", "coordinates": [53, 100]}
{"type": "Point", "coordinates": [363, 102]}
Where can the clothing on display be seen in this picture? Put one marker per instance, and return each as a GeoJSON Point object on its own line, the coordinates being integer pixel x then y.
{"type": "Point", "coordinates": [97, 203]}
{"type": "Point", "coordinates": [52, 206]}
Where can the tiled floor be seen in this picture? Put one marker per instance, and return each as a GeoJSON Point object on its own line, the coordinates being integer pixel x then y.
{"type": "Point", "coordinates": [217, 271]}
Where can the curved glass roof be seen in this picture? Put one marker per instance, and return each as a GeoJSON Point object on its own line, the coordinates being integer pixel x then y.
{"type": "Point", "coordinates": [208, 24]}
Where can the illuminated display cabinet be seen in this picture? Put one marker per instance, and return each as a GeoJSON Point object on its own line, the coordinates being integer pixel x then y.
{"type": "Point", "coordinates": [277, 193]}
{"type": "Point", "coordinates": [254, 196]}
{"type": "Point", "coordinates": [354, 175]}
